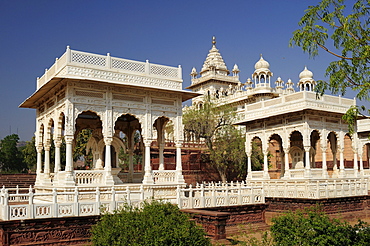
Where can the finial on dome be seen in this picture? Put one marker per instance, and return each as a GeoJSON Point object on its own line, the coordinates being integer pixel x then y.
{"type": "Point", "coordinates": [193, 73]}
{"type": "Point", "coordinates": [214, 40]}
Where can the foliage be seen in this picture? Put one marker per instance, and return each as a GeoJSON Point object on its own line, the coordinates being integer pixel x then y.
{"type": "Point", "coordinates": [155, 223]}
{"type": "Point", "coordinates": [30, 154]}
{"type": "Point", "coordinates": [213, 124]}
{"type": "Point", "coordinates": [80, 150]}
{"type": "Point", "coordinates": [251, 237]}
{"type": "Point", "coordinates": [123, 155]}
{"type": "Point", "coordinates": [312, 227]}
{"type": "Point", "coordinates": [257, 156]}
{"type": "Point", "coordinates": [11, 159]}
{"type": "Point", "coordinates": [348, 30]}
{"type": "Point", "coordinates": [229, 154]}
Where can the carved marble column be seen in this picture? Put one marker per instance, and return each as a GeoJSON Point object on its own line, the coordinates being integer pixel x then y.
{"type": "Point", "coordinates": [265, 165]}
{"type": "Point", "coordinates": [249, 166]}
{"type": "Point", "coordinates": [286, 163]}
{"type": "Point", "coordinates": [360, 153]}
{"type": "Point", "coordinates": [148, 176]}
{"type": "Point", "coordinates": [39, 159]}
{"type": "Point", "coordinates": [307, 160]}
{"type": "Point", "coordinates": [69, 157]}
{"type": "Point", "coordinates": [355, 163]}
{"type": "Point", "coordinates": [39, 173]}
{"type": "Point", "coordinates": [179, 176]}
{"type": "Point", "coordinates": [69, 178]}
{"type": "Point", "coordinates": [57, 166]}
{"type": "Point", "coordinates": [324, 164]}
{"type": "Point", "coordinates": [108, 161]}
{"type": "Point", "coordinates": [341, 163]}
{"type": "Point", "coordinates": [161, 157]}
{"type": "Point", "coordinates": [47, 160]}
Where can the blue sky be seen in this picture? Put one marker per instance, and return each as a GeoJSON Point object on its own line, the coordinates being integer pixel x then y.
{"type": "Point", "coordinates": [34, 33]}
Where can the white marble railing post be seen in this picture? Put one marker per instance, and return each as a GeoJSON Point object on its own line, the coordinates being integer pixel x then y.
{"type": "Point", "coordinates": [148, 175]}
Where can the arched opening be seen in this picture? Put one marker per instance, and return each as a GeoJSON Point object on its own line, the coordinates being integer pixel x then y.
{"type": "Point", "coordinates": [257, 154]}
{"type": "Point", "coordinates": [85, 155]}
{"type": "Point", "coordinates": [276, 156]}
{"type": "Point", "coordinates": [314, 142]}
{"type": "Point", "coordinates": [332, 153]}
{"type": "Point", "coordinates": [164, 155]}
{"type": "Point", "coordinates": [296, 150]}
{"type": "Point", "coordinates": [129, 148]}
{"type": "Point", "coordinates": [307, 87]}
{"type": "Point", "coordinates": [348, 152]}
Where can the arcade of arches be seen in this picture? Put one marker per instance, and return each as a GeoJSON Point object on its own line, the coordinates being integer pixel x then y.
{"type": "Point", "coordinates": [331, 153]}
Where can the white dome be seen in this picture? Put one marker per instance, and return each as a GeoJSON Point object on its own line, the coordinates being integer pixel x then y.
{"type": "Point", "coordinates": [306, 74]}
{"type": "Point", "coordinates": [261, 64]}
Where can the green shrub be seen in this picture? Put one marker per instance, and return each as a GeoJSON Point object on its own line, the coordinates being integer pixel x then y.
{"type": "Point", "coordinates": [313, 227]}
{"type": "Point", "coordinates": [155, 223]}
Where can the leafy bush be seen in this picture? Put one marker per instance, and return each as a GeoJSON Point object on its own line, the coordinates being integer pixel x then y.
{"type": "Point", "coordinates": [313, 227]}
{"type": "Point", "coordinates": [155, 223]}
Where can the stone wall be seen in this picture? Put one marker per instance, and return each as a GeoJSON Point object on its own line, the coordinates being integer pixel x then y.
{"type": "Point", "coordinates": [51, 231]}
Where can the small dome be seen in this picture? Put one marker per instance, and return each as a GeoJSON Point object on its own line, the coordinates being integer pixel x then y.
{"type": "Point", "coordinates": [236, 68]}
{"type": "Point", "coordinates": [306, 74]}
{"type": "Point", "coordinates": [261, 64]}
{"type": "Point", "coordinates": [193, 71]}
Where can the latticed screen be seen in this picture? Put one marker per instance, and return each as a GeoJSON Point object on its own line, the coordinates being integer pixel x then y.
{"type": "Point", "coordinates": [164, 71]}
{"type": "Point", "coordinates": [89, 59]}
{"type": "Point", "coordinates": [128, 65]}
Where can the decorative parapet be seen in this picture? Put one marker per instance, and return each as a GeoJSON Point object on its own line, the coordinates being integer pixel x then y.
{"type": "Point", "coordinates": [295, 102]}
{"type": "Point", "coordinates": [231, 79]}
{"type": "Point", "coordinates": [77, 64]}
{"type": "Point", "coordinates": [363, 125]}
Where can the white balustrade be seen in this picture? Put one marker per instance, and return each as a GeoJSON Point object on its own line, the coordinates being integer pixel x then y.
{"type": "Point", "coordinates": [164, 176]}
{"type": "Point", "coordinates": [218, 195]}
{"type": "Point", "coordinates": [94, 63]}
{"type": "Point", "coordinates": [314, 189]}
{"type": "Point", "coordinates": [89, 177]}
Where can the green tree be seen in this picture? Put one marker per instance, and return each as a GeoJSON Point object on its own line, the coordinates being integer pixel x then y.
{"type": "Point", "coordinates": [80, 150]}
{"type": "Point", "coordinates": [155, 223]}
{"type": "Point", "coordinates": [313, 227]}
{"type": "Point", "coordinates": [344, 33]}
{"type": "Point", "coordinates": [257, 156]}
{"type": "Point", "coordinates": [229, 152]}
{"type": "Point", "coordinates": [30, 154]}
{"type": "Point", "coordinates": [213, 124]}
{"type": "Point", "coordinates": [11, 159]}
